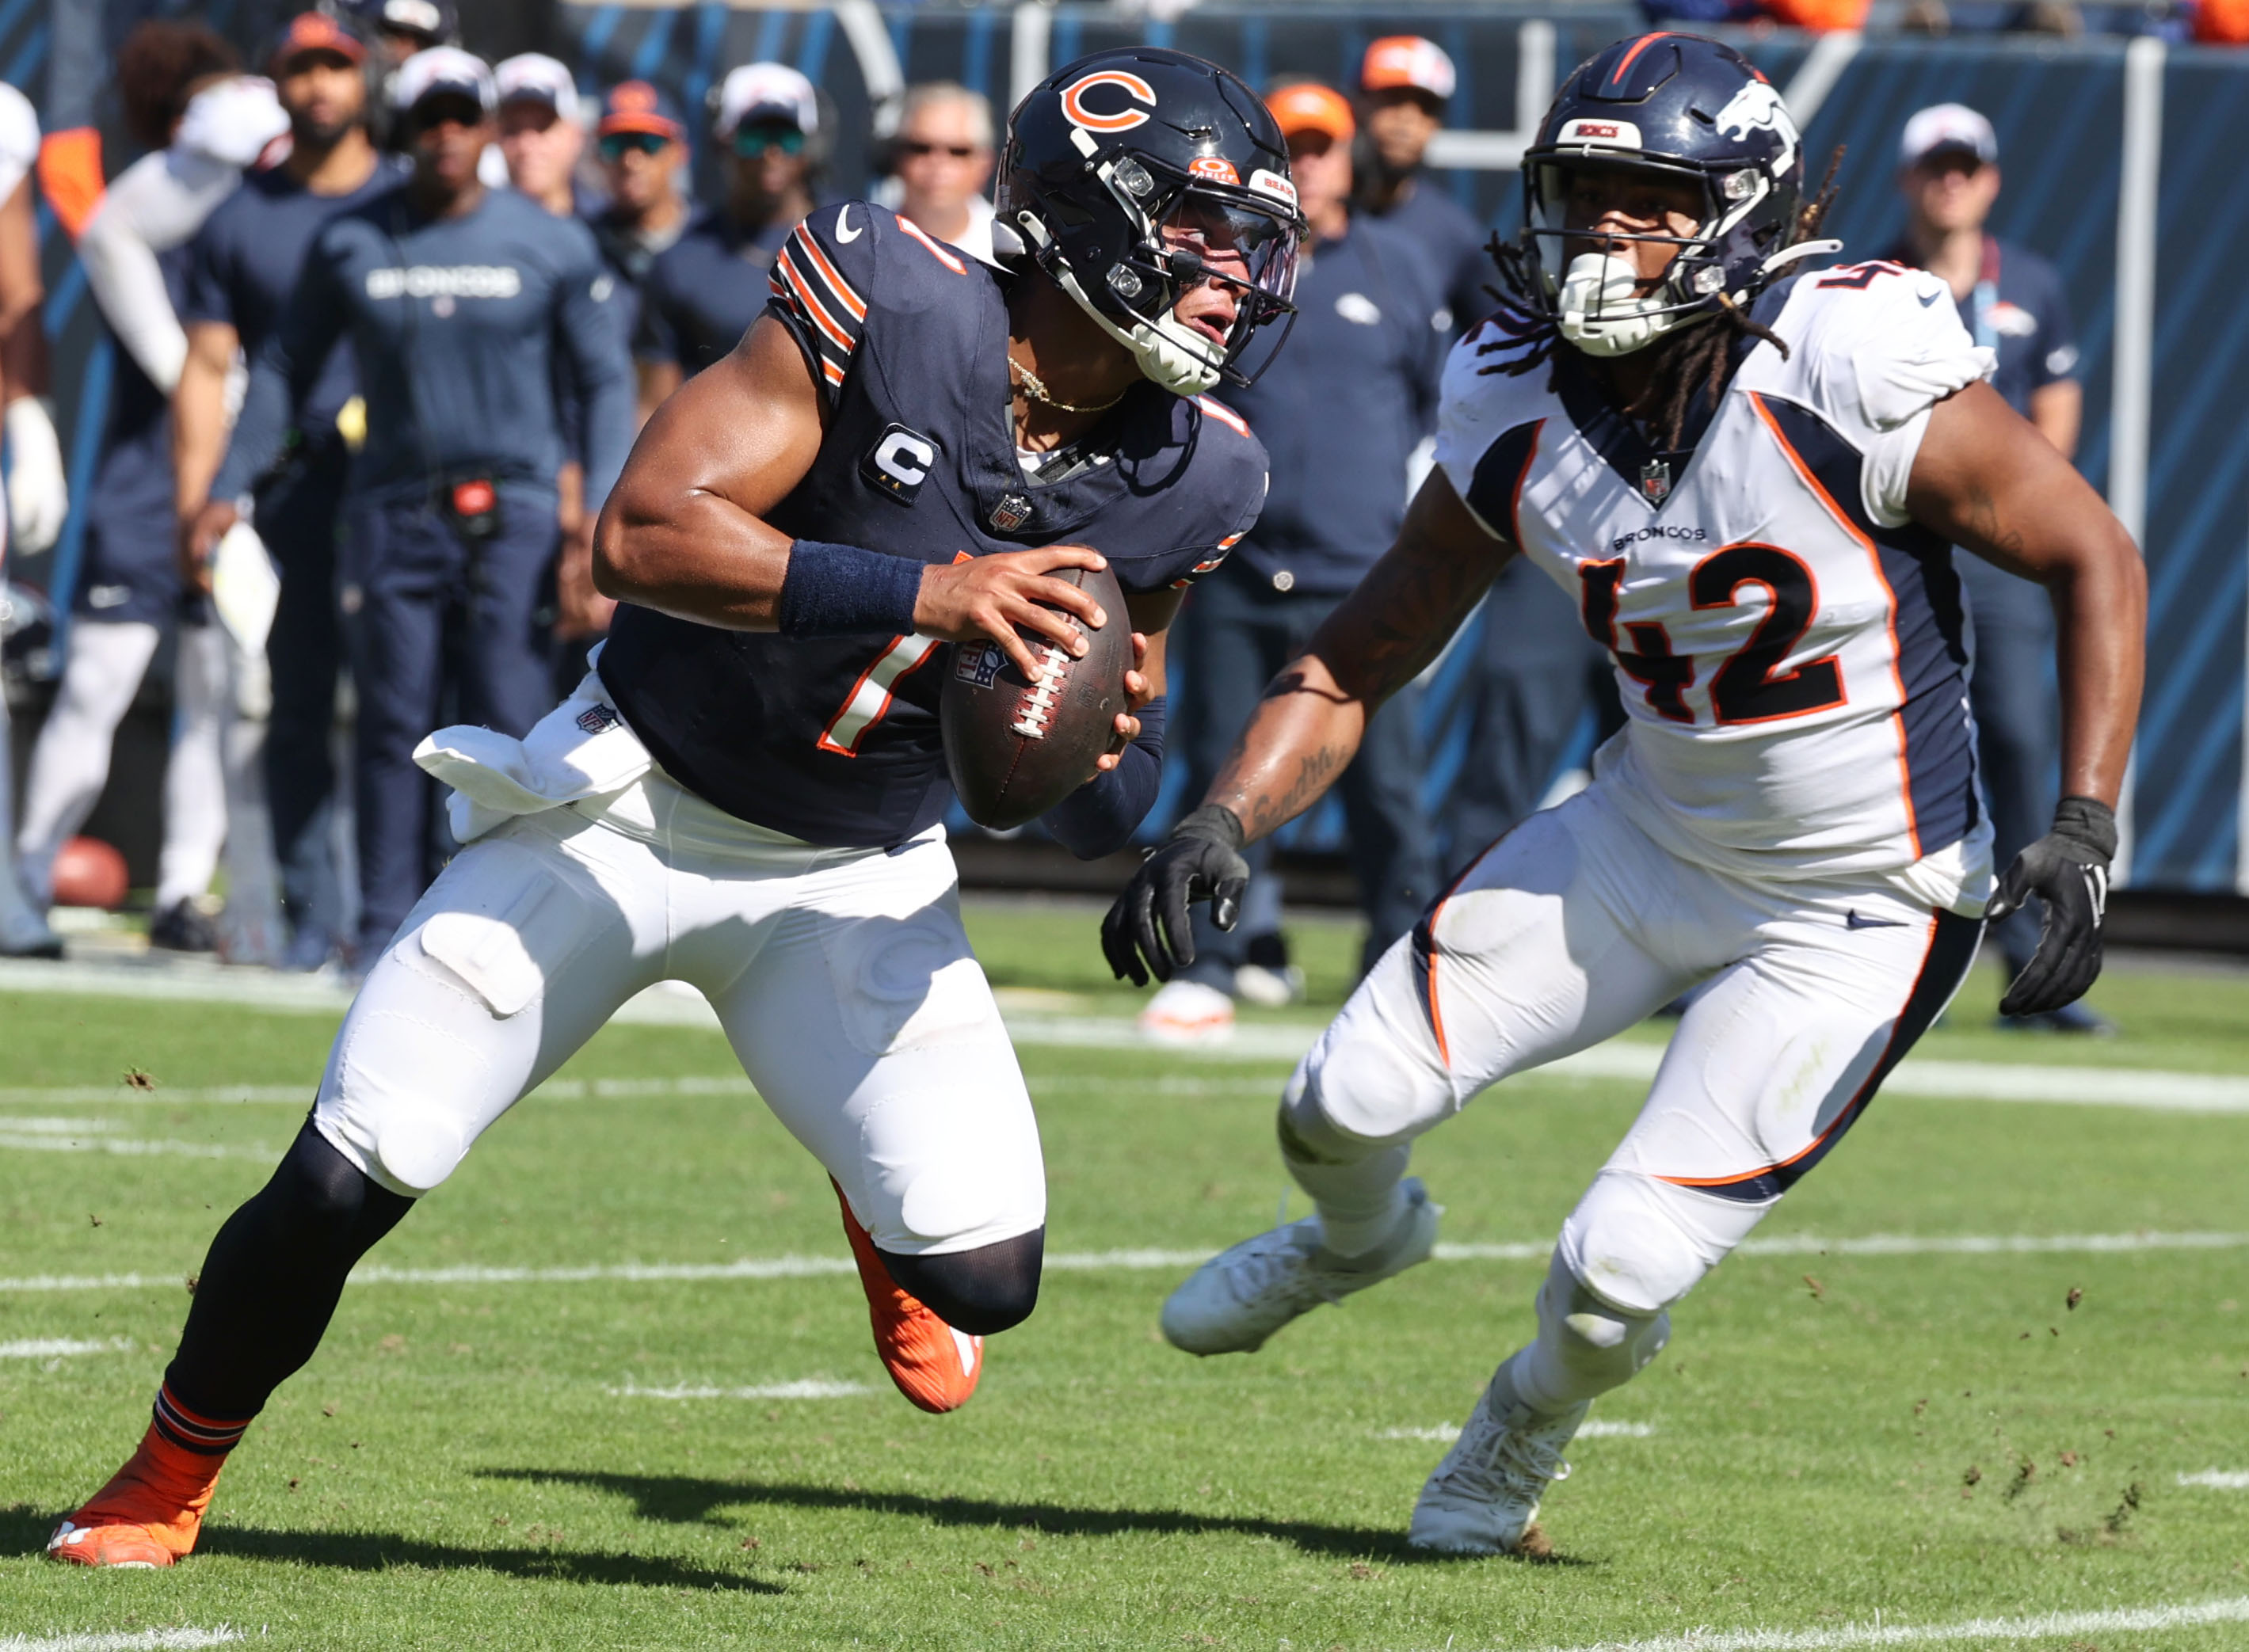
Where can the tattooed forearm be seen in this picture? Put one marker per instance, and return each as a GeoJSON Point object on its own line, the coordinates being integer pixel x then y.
{"type": "Point", "coordinates": [1308, 726]}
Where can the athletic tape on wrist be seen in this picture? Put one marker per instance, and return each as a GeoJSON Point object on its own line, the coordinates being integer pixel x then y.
{"type": "Point", "coordinates": [844, 590]}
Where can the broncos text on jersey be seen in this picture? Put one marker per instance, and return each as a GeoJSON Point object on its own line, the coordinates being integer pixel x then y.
{"type": "Point", "coordinates": [1789, 644]}
{"type": "Point", "coordinates": [834, 740]}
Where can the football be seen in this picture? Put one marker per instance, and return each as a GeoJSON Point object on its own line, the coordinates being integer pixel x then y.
{"type": "Point", "coordinates": [1015, 747]}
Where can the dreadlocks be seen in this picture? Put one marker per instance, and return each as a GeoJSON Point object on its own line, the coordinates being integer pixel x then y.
{"type": "Point", "coordinates": [1700, 360]}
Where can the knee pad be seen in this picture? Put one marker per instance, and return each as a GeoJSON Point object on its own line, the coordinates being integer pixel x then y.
{"type": "Point", "coordinates": [1642, 1244]}
{"type": "Point", "coordinates": [982, 1291]}
{"type": "Point", "coordinates": [1310, 1135]}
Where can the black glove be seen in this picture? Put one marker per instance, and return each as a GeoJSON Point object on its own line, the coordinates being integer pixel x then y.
{"type": "Point", "coordinates": [2067, 869]}
{"type": "Point", "coordinates": [1201, 861]}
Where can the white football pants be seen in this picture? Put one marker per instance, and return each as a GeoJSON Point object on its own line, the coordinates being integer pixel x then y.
{"type": "Point", "coordinates": [70, 764]}
{"type": "Point", "coordinates": [1576, 926]}
{"type": "Point", "coordinates": [843, 979]}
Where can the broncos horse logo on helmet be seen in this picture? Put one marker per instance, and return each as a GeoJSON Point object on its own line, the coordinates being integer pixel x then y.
{"type": "Point", "coordinates": [1118, 168]}
{"type": "Point", "coordinates": [1687, 109]}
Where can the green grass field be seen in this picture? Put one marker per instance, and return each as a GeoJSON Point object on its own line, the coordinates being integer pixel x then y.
{"type": "Point", "coordinates": [1934, 1437]}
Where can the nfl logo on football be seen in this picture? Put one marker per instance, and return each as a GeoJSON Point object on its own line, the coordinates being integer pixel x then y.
{"type": "Point", "coordinates": [980, 666]}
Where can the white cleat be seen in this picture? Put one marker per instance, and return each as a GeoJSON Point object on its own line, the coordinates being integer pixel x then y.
{"type": "Point", "coordinates": [1484, 1495]}
{"type": "Point", "coordinates": [1188, 1012]}
{"type": "Point", "coordinates": [1241, 1296]}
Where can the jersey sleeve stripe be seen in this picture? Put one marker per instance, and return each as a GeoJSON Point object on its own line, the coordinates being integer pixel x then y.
{"type": "Point", "coordinates": [808, 305]}
{"type": "Point", "coordinates": [938, 252]}
{"type": "Point", "coordinates": [852, 304]}
{"type": "Point", "coordinates": [1224, 414]}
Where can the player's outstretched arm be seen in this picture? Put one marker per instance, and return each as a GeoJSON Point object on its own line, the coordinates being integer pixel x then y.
{"type": "Point", "coordinates": [1308, 726]}
{"type": "Point", "coordinates": [684, 530]}
{"type": "Point", "coordinates": [1985, 478]}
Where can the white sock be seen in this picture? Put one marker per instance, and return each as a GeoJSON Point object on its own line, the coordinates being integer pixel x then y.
{"type": "Point", "coordinates": [194, 779]}
{"type": "Point", "coordinates": [101, 673]}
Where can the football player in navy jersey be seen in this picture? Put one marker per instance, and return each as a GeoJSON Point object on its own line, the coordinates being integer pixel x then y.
{"type": "Point", "coordinates": [745, 793]}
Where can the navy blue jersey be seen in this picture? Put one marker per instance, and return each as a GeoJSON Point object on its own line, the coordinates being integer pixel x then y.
{"type": "Point", "coordinates": [129, 569]}
{"type": "Point", "coordinates": [631, 259]}
{"type": "Point", "coordinates": [703, 291]}
{"type": "Point", "coordinates": [1453, 242]}
{"type": "Point", "coordinates": [243, 262]}
{"type": "Point", "coordinates": [834, 740]}
{"type": "Point", "coordinates": [1341, 408]}
{"type": "Point", "coordinates": [456, 325]}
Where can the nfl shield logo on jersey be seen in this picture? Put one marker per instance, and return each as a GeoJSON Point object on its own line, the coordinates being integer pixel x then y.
{"type": "Point", "coordinates": [980, 666]}
{"type": "Point", "coordinates": [1655, 481]}
{"type": "Point", "coordinates": [1013, 511]}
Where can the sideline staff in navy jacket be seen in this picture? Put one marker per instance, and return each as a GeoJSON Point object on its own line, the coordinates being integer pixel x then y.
{"type": "Point", "coordinates": [460, 304]}
{"type": "Point", "coordinates": [1339, 411]}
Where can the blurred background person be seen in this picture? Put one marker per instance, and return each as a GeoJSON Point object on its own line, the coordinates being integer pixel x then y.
{"type": "Point", "coordinates": [242, 266]}
{"type": "Point", "coordinates": [203, 122]}
{"type": "Point", "coordinates": [1339, 411]}
{"type": "Point", "coordinates": [706, 288]}
{"type": "Point", "coordinates": [542, 139]}
{"type": "Point", "coordinates": [642, 146]}
{"type": "Point", "coordinates": [23, 931]}
{"type": "Point", "coordinates": [2011, 301]}
{"type": "Point", "coordinates": [1404, 85]}
{"type": "Point", "coordinates": [941, 165]}
{"type": "Point", "coordinates": [458, 301]}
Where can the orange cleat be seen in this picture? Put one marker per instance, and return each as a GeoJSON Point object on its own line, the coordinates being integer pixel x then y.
{"type": "Point", "coordinates": [933, 1365]}
{"type": "Point", "coordinates": [150, 1513]}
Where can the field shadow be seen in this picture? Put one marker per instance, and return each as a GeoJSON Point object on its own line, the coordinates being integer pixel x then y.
{"type": "Point", "coordinates": [682, 1499]}
{"type": "Point", "coordinates": [24, 1530]}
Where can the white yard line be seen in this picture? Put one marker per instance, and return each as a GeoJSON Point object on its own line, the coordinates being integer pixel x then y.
{"type": "Point", "coordinates": [58, 1347]}
{"type": "Point", "coordinates": [2047, 1626]}
{"type": "Point", "coordinates": [2217, 1479]}
{"type": "Point", "coordinates": [2147, 1089]}
{"type": "Point", "coordinates": [806, 1389]}
{"type": "Point", "coordinates": [12, 1142]}
{"type": "Point", "coordinates": [1592, 1429]}
{"type": "Point", "coordinates": [805, 1267]}
{"type": "Point", "coordinates": [128, 1640]}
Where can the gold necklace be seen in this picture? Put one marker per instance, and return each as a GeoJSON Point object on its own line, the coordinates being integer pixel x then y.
{"type": "Point", "coordinates": [1027, 382]}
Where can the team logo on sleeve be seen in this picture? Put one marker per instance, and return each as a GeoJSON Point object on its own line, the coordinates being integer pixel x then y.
{"type": "Point", "coordinates": [1117, 114]}
{"type": "Point", "coordinates": [900, 463]}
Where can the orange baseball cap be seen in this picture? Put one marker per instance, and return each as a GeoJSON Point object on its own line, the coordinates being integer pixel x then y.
{"type": "Point", "coordinates": [1308, 106]}
{"type": "Point", "coordinates": [639, 106]}
{"type": "Point", "coordinates": [1408, 61]}
{"type": "Point", "coordinates": [317, 31]}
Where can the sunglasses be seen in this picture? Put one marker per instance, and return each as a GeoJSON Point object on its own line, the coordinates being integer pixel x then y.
{"type": "Point", "coordinates": [917, 149]}
{"type": "Point", "coordinates": [750, 142]}
{"type": "Point", "coordinates": [615, 145]}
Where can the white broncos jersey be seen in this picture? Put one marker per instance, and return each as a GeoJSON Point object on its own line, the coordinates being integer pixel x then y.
{"type": "Point", "coordinates": [1789, 644]}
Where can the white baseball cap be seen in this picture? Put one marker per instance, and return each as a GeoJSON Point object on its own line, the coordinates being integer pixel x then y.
{"type": "Point", "coordinates": [758, 90]}
{"type": "Point", "coordinates": [532, 77]}
{"type": "Point", "coordinates": [1947, 126]}
{"type": "Point", "coordinates": [444, 69]}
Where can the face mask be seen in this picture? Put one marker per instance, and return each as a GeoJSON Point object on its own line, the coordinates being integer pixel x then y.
{"type": "Point", "coordinates": [1600, 314]}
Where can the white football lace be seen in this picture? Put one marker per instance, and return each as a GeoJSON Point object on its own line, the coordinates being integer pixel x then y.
{"type": "Point", "coordinates": [1518, 1463]}
{"type": "Point", "coordinates": [1272, 1268]}
{"type": "Point", "coordinates": [1037, 707]}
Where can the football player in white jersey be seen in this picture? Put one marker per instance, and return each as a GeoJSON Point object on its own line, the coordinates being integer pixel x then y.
{"type": "Point", "coordinates": [1750, 478]}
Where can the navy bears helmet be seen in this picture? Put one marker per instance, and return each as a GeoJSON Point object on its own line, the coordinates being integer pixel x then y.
{"type": "Point", "coordinates": [1687, 108]}
{"type": "Point", "coordinates": [1118, 168]}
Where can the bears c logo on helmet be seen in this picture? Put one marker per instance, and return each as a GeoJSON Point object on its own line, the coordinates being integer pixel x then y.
{"type": "Point", "coordinates": [1122, 119]}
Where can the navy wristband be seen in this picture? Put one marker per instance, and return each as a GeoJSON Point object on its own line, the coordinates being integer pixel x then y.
{"type": "Point", "coordinates": [843, 591]}
{"type": "Point", "coordinates": [1099, 816]}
